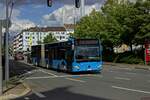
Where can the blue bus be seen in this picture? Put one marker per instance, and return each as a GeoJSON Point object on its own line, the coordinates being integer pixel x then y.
{"type": "Point", "coordinates": [74, 55]}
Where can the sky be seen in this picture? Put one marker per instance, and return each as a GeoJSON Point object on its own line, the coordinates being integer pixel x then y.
{"type": "Point", "coordinates": [31, 13]}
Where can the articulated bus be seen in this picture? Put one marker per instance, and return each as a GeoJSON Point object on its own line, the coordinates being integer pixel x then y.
{"type": "Point", "coordinates": [74, 55]}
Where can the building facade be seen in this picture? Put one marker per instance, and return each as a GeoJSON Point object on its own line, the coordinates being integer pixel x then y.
{"type": "Point", "coordinates": [35, 35]}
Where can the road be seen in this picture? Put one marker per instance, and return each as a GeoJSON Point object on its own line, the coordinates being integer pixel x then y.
{"type": "Point", "coordinates": [114, 83]}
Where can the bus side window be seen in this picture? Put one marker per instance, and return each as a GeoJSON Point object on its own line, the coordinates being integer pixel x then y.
{"type": "Point", "coordinates": [53, 53]}
{"type": "Point", "coordinates": [60, 53]}
{"type": "Point", "coordinates": [69, 56]}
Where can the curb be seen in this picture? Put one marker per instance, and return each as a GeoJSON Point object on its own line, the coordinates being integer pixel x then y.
{"type": "Point", "coordinates": [142, 68]}
{"type": "Point", "coordinates": [129, 66]}
{"type": "Point", "coordinates": [13, 96]}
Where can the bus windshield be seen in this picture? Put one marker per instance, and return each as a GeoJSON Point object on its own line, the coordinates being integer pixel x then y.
{"type": "Point", "coordinates": [87, 54]}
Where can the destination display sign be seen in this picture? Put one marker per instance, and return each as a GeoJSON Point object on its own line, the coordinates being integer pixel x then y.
{"type": "Point", "coordinates": [87, 42]}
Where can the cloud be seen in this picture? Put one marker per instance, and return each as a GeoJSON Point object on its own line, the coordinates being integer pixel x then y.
{"type": "Point", "coordinates": [2, 11]}
{"type": "Point", "coordinates": [17, 23]}
{"type": "Point", "coordinates": [68, 14]}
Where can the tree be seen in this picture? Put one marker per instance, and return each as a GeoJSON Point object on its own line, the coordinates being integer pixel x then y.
{"type": "Point", "coordinates": [39, 42]}
{"type": "Point", "coordinates": [118, 22]}
{"type": "Point", "coordinates": [143, 18]}
{"type": "Point", "coordinates": [49, 38]}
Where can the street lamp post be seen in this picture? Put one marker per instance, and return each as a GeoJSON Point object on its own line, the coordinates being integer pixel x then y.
{"type": "Point", "coordinates": [1, 68]}
{"type": "Point", "coordinates": [7, 43]}
{"type": "Point", "coordinates": [82, 8]}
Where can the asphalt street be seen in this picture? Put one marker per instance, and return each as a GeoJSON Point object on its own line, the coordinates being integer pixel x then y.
{"type": "Point", "coordinates": [114, 83]}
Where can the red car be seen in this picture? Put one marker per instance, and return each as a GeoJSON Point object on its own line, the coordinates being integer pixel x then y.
{"type": "Point", "coordinates": [19, 56]}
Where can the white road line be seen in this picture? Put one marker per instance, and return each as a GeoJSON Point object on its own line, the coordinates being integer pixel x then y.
{"type": "Point", "coordinates": [39, 94]}
{"type": "Point", "coordinates": [122, 78]}
{"type": "Point", "coordinates": [26, 98]}
{"type": "Point", "coordinates": [77, 75]}
{"type": "Point", "coordinates": [77, 80]}
{"type": "Point", "coordinates": [133, 90]}
{"type": "Point", "coordinates": [125, 68]}
{"type": "Point", "coordinates": [44, 77]}
{"type": "Point", "coordinates": [48, 73]}
{"type": "Point", "coordinates": [130, 73]}
{"type": "Point", "coordinates": [29, 78]}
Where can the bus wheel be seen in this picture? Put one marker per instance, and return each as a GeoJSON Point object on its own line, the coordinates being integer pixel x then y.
{"type": "Point", "coordinates": [47, 66]}
{"type": "Point", "coordinates": [63, 67]}
{"type": "Point", "coordinates": [36, 64]}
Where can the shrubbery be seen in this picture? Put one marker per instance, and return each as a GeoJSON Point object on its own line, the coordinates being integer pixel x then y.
{"type": "Point", "coordinates": [126, 57]}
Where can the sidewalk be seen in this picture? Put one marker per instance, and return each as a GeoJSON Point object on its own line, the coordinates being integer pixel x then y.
{"type": "Point", "coordinates": [16, 91]}
{"type": "Point", "coordinates": [15, 87]}
{"type": "Point", "coordinates": [134, 66]}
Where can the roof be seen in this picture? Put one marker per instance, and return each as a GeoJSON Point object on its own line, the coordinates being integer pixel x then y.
{"type": "Point", "coordinates": [69, 26]}
{"type": "Point", "coordinates": [45, 29]}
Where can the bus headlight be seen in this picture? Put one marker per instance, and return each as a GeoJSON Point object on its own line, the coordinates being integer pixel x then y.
{"type": "Point", "coordinates": [77, 67]}
{"type": "Point", "coordinates": [99, 66]}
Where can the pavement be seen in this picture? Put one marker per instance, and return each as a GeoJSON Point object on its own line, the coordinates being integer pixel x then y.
{"type": "Point", "coordinates": [16, 88]}
{"type": "Point", "coordinates": [116, 82]}
{"type": "Point", "coordinates": [16, 92]}
{"type": "Point", "coordinates": [135, 66]}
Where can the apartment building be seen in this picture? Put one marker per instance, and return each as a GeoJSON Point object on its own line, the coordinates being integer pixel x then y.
{"type": "Point", "coordinates": [33, 36]}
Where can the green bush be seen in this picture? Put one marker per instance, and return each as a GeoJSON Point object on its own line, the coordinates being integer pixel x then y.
{"type": "Point", "coordinates": [129, 58]}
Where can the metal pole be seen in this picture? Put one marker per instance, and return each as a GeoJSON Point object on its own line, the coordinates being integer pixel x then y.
{"type": "Point", "coordinates": [1, 68]}
{"type": "Point", "coordinates": [6, 46]}
{"type": "Point", "coordinates": [82, 8]}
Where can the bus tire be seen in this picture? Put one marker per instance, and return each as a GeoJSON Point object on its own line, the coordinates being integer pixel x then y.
{"type": "Point", "coordinates": [63, 67]}
{"type": "Point", "coordinates": [47, 66]}
{"type": "Point", "coordinates": [36, 64]}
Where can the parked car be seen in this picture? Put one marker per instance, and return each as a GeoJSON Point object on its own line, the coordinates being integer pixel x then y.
{"type": "Point", "coordinates": [19, 56]}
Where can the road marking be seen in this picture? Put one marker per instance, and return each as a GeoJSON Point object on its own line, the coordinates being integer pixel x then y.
{"type": "Point", "coordinates": [71, 76]}
{"type": "Point", "coordinates": [29, 78]}
{"type": "Point", "coordinates": [77, 80]}
{"type": "Point", "coordinates": [39, 94]}
{"type": "Point", "coordinates": [26, 98]}
{"type": "Point", "coordinates": [48, 73]}
{"type": "Point", "coordinates": [125, 68]}
{"type": "Point", "coordinates": [128, 89]}
{"type": "Point", "coordinates": [122, 78]}
{"type": "Point", "coordinates": [131, 73]}
{"type": "Point", "coordinates": [77, 75]}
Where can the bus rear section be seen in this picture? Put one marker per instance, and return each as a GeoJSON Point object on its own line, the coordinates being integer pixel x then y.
{"type": "Point", "coordinates": [87, 55]}
{"type": "Point", "coordinates": [36, 55]}
{"type": "Point", "coordinates": [59, 56]}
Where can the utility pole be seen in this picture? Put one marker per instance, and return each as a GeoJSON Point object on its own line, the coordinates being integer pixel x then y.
{"type": "Point", "coordinates": [82, 8]}
{"type": "Point", "coordinates": [7, 44]}
{"type": "Point", "coordinates": [1, 68]}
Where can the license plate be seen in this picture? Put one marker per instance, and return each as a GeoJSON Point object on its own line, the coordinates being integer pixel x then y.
{"type": "Point", "coordinates": [89, 69]}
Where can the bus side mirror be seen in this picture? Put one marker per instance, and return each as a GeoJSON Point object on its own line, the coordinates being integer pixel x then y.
{"type": "Point", "coordinates": [49, 3]}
